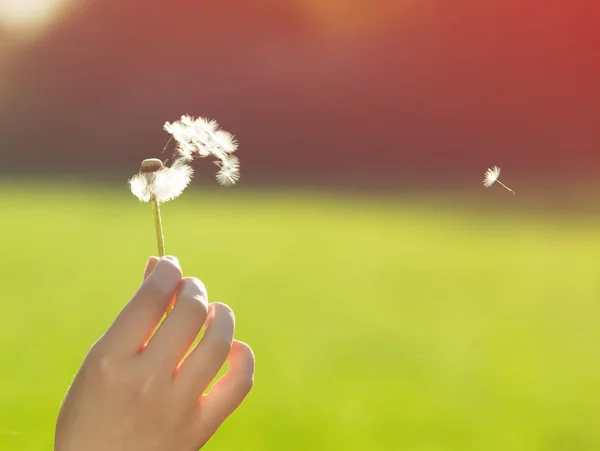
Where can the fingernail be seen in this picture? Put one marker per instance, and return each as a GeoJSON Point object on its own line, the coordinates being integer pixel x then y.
{"type": "Point", "coordinates": [171, 258]}
{"type": "Point", "coordinates": [151, 260]}
{"type": "Point", "coordinates": [167, 269]}
{"type": "Point", "coordinates": [193, 287]}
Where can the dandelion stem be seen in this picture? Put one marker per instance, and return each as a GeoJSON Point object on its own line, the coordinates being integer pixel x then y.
{"type": "Point", "coordinates": [505, 186]}
{"type": "Point", "coordinates": [160, 239]}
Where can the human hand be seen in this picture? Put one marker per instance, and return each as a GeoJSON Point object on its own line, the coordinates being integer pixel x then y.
{"type": "Point", "coordinates": [131, 397]}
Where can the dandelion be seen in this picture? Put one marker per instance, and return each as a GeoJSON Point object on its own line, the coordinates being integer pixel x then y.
{"type": "Point", "coordinates": [229, 172]}
{"type": "Point", "coordinates": [201, 137]}
{"type": "Point", "coordinates": [491, 177]}
{"type": "Point", "coordinates": [157, 182]}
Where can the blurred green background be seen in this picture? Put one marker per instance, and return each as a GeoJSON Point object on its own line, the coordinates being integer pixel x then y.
{"type": "Point", "coordinates": [378, 322]}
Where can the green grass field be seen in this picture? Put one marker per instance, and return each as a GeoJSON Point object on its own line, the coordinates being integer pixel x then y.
{"type": "Point", "coordinates": [377, 325]}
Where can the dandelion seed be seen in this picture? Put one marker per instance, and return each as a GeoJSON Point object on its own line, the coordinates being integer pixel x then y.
{"type": "Point", "coordinates": [186, 151]}
{"type": "Point", "coordinates": [228, 176]}
{"type": "Point", "coordinates": [201, 137]}
{"type": "Point", "coordinates": [491, 177]}
{"type": "Point", "coordinates": [225, 141]}
{"type": "Point", "coordinates": [229, 172]}
{"type": "Point", "coordinates": [230, 162]}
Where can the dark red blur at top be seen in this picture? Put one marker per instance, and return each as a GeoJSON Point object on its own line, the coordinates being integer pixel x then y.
{"type": "Point", "coordinates": [373, 87]}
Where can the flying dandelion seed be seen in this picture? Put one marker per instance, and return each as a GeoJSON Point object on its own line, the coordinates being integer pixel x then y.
{"type": "Point", "coordinates": [157, 182]}
{"type": "Point", "coordinates": [201, 137]}
{"type": "Point", "coordinates": [491, 177]}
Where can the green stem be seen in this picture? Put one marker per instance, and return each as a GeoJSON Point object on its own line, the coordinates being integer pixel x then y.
{"type": "Point", "coordinates": [160, 239]}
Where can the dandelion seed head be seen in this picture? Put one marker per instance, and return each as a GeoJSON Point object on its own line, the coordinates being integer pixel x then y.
{"type": "Point", "coordinates": [139, 187]}
{"type": "Point", "coordinates": [170, 182]}
{"type": "Point", "coordinates": [157, 181]}
{"type": "Point", "coordinates": [186, 150]}
{"type": "Point", "coordinates": [202, 124]}
{"type": "Point", "coordinates": [187, 120]}
{"type": "Point", "coordinates": [202, 137]}
{"type": "Point", "coordinates": [228, 176]}
{"type": "Point", "coordinates": [231, 162]}
{"type": "Point", "coordinates": [225, 141]}
{"type": "Point", "coordinates": [491, 175]}
{"type": "Point", "coordinates": [202, 149]}
{"type": "Point", "coordinates": [193, 135]}
{"type": "Point", "coordinates": [228, 162]}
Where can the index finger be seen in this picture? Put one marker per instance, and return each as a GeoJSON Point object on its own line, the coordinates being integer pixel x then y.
{"type": "Point", "coordinates": [136, 322]}
{"type": "Point", "coordinates": [152, 261]}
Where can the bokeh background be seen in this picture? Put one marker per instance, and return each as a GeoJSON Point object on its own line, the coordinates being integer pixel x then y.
{"type": "Point", "coordinates": [392, 302]}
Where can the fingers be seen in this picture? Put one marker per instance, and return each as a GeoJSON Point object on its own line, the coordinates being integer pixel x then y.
{"type": "Point", "coordinates": [179, 330]}
{"type": "Point", "coordinates": [139, 318]}
{"type": "Point", "coordinates": [152, 261]}
{"type": "Point", "coordinates": [230, 390]}
{"type": "Point", "coordinates": [206, 359]}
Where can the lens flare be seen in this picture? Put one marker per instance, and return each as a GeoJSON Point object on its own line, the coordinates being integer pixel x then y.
{"type": "Point", "coordinates": [29, 15]}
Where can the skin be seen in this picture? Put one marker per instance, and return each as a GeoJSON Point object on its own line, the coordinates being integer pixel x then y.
{"type": "Point", "coordinates": [129, 396]}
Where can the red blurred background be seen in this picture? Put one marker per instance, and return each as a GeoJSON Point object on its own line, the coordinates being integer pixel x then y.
{"type": "Point", "coordinates": [329, 90]}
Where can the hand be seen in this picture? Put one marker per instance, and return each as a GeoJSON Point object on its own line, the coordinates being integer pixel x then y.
{"type": "Point", "coordinates": [129, 396]}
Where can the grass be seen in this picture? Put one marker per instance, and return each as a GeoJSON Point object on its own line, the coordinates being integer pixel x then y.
{"type": "Point", "coordinates": [377, 324]}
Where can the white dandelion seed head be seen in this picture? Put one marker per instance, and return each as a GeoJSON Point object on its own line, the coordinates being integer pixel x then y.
{"type": "Point", "coordinates": [170, 182]}
{"type": "Point", "coordinates": [208, 126]}
{"type": "Point", "coordinates": [202, 137]}
{"type": "Point", "coordinates": [186, 150]}
{"type": "Point", "coordinates": [491, 175]}
{"type": "Point", "coordinates": [230, 162]}
{"type": "Point", "coordinates": [203, 150]}
{"type": "Point", "coordinates": [187, 120]}
{"type": "Point", "coordinates": [160, 182]}
{"type": "Point", "coordinates": [139, 187]}
{"type": "Point", "coordinates": [180, 132]}
{"type": "Point", "coordinates": [189, 130]}
{"type": "Point", "coordinates": [225, 141]}
{"type": "Point", "coordinates": [228, 176]}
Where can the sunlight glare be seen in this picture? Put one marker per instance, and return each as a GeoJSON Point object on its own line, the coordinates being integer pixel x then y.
{"type": "Point", "coordinates": [28, 15]}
